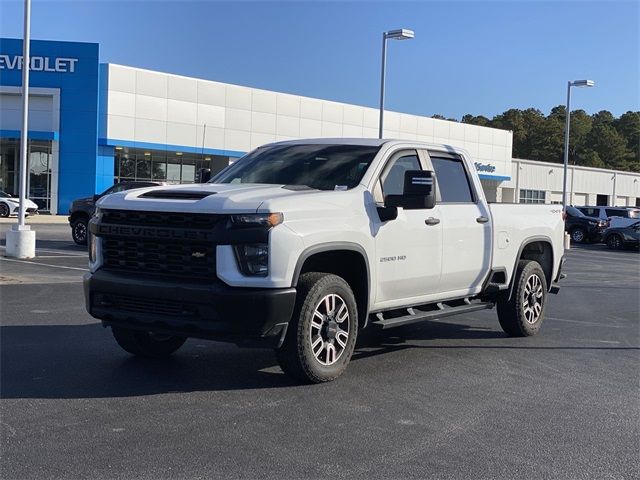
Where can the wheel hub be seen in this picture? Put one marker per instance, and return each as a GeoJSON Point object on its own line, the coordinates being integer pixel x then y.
{"type": "Point", "coordinates": [330, 329]}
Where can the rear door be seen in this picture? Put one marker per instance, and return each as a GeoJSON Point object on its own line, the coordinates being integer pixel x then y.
{"type": "Point", "coordinates": [466, 225]}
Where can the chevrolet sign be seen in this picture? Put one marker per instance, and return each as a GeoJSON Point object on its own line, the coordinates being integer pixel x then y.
{"type": "Point", "coordinates": [39, 64]}
{"type": "Point", "coordinates": [105, 229]}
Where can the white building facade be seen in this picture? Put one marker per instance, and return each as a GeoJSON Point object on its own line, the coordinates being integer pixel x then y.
{"type": "Point", "coordinates": [147, 112]}
{"type": "Point", "coordinates": [541, 182]}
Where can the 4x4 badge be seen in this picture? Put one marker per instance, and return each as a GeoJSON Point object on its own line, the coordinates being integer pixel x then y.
{"type": "Point", "coordinates": [198, 254]}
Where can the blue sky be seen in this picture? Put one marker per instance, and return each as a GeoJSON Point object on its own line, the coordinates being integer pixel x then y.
{"type": "Point", "coordinates": [468, 57]}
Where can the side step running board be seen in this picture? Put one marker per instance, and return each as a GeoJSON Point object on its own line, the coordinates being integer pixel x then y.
{"type": "Point", "coordinates": [415, 316]}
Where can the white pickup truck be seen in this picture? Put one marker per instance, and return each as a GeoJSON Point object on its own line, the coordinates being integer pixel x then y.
{"type": "Point", "coordinates": [300, 244]}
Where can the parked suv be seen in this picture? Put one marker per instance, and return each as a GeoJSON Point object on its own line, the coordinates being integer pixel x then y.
{"type": "Point", "coordinates": [583, 228]}
{"type": "Point", "coordinates": [617, 216]}
{"type": "Point", "coordinates": [82, 209]}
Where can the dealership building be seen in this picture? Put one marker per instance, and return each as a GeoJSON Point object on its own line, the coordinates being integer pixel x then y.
{"type": "Point", "coordinates": [92, 124]}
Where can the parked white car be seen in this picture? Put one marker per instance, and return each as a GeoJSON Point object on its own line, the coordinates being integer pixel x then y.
{"type": "Point", "coordinates": [9, 205]}
{"type": "Point", "coordinates": [618, 217]}
{"type": "Point", "coordinates": [300, 244]}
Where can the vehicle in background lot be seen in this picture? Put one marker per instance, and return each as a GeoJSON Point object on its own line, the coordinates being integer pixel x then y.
{"type": "Point", "coordinates": [582, 228]}
{"type": "Point", "coordinates": [300, 244]}
{"type": "Point", "coordinates": [622, 237]}
{"type": "Point", "coordinates": [617, 216]}
{"type": "Point", "coordinates": [82, 209]}
{"type": "Point", "coordinates": [10, 205]}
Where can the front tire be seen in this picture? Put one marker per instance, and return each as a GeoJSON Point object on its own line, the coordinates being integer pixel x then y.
{"type": "Point", "coordinates": [322, 333]}
{"type": "Point", "coordinates": [523, 314]}
{"type": "Point", "coordinates": [579, 235]}
{"type": "Point", "coordinates": [614, 241]}
{"type": "Point", "coordinates": [79, 231]}
{"type": "Point", "coordinates": [4, 210]}
{"type": "Point", "coordinates": [146, 344]}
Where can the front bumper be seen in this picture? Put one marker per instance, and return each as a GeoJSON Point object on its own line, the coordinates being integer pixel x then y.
{"type": "Point", "coordinates": [245, 316]}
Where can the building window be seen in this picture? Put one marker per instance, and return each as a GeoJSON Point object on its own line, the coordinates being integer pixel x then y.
{"type": "Point", "coordinates": [137, 164]}
{"type": "Point", "coordinates": [602, 200]}
{"type": "Point", "coordinates": [532, 196]}
{"type": "Point", "coordinates": [39, 179]}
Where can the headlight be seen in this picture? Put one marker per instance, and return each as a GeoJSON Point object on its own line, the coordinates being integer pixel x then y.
{"type": "Point", "coordinates": [97, 215]}
{"type": "Point", "coordinates": [593, 223]}
{"type": "Point", "coordinates": [93, 252]}
{"type": "Point", "coordinates": [253, 259]}
{"type": "Point", "coordinates": [263, 219]}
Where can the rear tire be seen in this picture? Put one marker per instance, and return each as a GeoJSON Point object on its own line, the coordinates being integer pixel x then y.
{"type": "Point", "coordinates": [522, 316]}
{"type": "Point", "coordinates": [614, 241]}
{"type": "Point", "coordinates": [579, 235]}
{"type": "Point", "coordinates": [79, 231]}
{"type": "Point", "coordinates": [322, 332]}
{"type": "Point", "coordinates": [146, 344]}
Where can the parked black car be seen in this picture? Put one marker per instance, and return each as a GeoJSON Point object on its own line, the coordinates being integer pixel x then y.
{"type": "Point", "coordinates": [621, 237]}
{"type": "Point", "coordinates": [582, 228]}
{"type": "Point", "coordinates": [82, 209]}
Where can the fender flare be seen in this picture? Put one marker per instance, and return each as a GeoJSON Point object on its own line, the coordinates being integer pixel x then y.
{"type": "Point", "coordinates": [329, 247]}
{"type": "Point", "coordinates": [525, 242]}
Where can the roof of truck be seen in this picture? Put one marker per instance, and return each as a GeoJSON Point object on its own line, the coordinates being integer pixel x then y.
{"type": "Point", "coordinates": [374, 142]}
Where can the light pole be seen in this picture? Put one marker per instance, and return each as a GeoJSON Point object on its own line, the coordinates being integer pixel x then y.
{"type": "Point", "coordinates": [575, 83]}
{"type": "Point", "coordinates": [21, 240]}
{"type": "Point", "coordinates": [400, 34]}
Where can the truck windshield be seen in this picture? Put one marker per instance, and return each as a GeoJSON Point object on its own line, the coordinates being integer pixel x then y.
{"type": "Point", "coordinates": [319, 166]}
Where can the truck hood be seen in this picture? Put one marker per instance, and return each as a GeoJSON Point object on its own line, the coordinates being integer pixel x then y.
{"type": "Point", "coordinates": [201, 198]}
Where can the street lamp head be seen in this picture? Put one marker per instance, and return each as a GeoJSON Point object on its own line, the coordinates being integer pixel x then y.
{"type": "Point", "coordinates": [583, 83]}
{"type": "Point", "coordinates": [400, 34]}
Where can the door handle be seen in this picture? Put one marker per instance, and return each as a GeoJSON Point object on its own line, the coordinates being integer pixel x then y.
{"type": "Point", "coordinates": [482, 219]}
{"type": "Point", "coordinates": [432, 221]}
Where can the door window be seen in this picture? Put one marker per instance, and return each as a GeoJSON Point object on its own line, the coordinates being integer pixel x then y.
{"type": "Point", "coordinates": [393, 183]}
{"type": "Point", "coordinates": [452, 179]}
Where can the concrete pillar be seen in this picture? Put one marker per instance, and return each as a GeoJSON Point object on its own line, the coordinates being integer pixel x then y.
{"type": "Point", "coordinates": [21, 242]}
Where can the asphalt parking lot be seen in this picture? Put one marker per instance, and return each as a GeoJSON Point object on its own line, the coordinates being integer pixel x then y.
{"type": "Point", "coordinates": [444, 399]}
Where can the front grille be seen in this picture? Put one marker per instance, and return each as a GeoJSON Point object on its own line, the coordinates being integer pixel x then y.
{"type": "Point", "coordinates": [143, 305]}
{"type": "Point", "coordinates": [160, 219]}
{"type": "Point", "coordinates": [184, 257]}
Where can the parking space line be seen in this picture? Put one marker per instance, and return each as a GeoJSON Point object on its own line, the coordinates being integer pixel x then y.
{"type": "Point", "coordinates": [43, 264]}
{"type": "Point", "coordinates": [61, 252]}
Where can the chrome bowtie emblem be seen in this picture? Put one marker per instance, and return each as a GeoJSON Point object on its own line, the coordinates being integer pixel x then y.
{"type": "Point", "coordinates": [198, 254]}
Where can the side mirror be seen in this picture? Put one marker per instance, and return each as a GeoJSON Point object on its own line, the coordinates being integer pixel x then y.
{"type": "Point", "coordinates": [387, 214]}
{"type": "Point", "coordinates": [418, 193]}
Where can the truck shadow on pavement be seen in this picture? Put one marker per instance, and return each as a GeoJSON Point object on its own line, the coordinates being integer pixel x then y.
{"type": "Point", "coordinates": [83, 361]}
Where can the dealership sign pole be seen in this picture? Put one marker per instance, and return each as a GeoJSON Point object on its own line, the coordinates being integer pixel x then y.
{"type": "Point", "coordinates": [21, 240]}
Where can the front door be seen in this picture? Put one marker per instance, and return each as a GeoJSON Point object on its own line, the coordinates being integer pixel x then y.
{"type": "Point", "coordinates": [408, 250]}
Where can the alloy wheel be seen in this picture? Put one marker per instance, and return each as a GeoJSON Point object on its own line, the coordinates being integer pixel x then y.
{"type": "Point", "coordinates": [614, 242]}
{"type": "Point", "coordinates": [577, 236]}
{"type": "Point", "coordinates": [329, 330]}
{"type": "Point", "coordinates": [80, 230]}
{"type": "Point", "coordinates": [533, 297]}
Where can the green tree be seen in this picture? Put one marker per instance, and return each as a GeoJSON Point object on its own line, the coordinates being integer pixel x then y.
{"type": "Point", "coordinates": [628, 125]}
{"type": "Point", "coordinates": [610, 146]}
{"type": "Point", "coordinates": [480, 120]}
